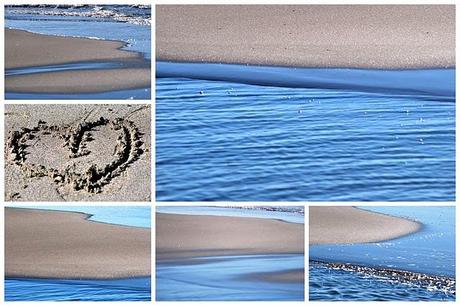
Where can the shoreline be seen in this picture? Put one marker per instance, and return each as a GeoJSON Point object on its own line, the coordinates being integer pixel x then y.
{"type": "Point", "coordinates": [25, 49]}
{"type": "Point", "coordinates": [70, 246]}
{"type": "Point", "coordinates": [348, 225]}
{"type": "Point", "coordinates": [352, 36]}
{"type": "Point", "coordinates": [437, 82]}
{"type": "Point", "coordinates": [189, 236]}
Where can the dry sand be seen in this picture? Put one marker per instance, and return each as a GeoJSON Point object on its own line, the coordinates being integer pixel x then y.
{"type": "Point", "coordinates": [182, 236]}
{"type": "Point", "coordinates": [51, 151]}
{"type": "Point", "coordinates": [367, 36]}
{"type": "Point", "coordinates": [25, 49]}
{"type": "Point", "coordinates": [330, 224]}
{"type": "Point", "coordinates": [54, 244]}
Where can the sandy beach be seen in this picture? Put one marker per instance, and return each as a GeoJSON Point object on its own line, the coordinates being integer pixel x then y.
{"type": "Point", "coordinates": [328, 225]}
{"type": "Point", "coordinates": [77, 152]}
{"type": "Point", "coordinates": [359, 36]}
{"type": "Point", "coordinates": [186, 236]}
{"type": "Point", "coordinates": [25, 49]}
{"type": "Point", "coordinates": [55, 244]}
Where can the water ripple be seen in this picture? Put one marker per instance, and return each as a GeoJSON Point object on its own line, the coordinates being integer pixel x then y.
{"type": "Point", "coordinates": [227, 141]}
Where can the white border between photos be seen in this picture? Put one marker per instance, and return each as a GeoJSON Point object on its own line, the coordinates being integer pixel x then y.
{"type": "Point", "coordinates": [307, 204]}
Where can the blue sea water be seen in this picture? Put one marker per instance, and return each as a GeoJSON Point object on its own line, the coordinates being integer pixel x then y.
{"type": "Point", "coordinates": [242, 133]}
{"type": "Point", "coordinates": [430, 251]}
{"type": "Point", "coordinates": [227, 278]}
{"type": "Point", "coordinates": [337, 285]}
{"type": "Point", "coordinates": [89, 22]}
{"type": "Point", "coordinates": [282, 213]}
{"type": "Point", "coordinates": [132, 289]}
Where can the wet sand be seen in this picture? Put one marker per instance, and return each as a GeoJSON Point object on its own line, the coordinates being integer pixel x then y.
{"type": "Point", "coordinates": [55, 244]}
{"type": "Point", "coordinates": [77, 152]}
{"type": "Point", "coordinates": [187, 236]}
{"type": "Point", "coordinates": [25, 49]}
{"type": "Point", "coordinates": [328, 225]}
{"type": "Point", "coordinates": [359, 36]}
{"type": "Point", "coordinates": [81, 81]}
{"type": "Point", "coordinates": [289, 276]}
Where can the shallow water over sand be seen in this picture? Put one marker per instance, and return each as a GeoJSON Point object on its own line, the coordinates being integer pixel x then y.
{"type": "Point", "coordinates": [227, 278]}
{"type": "Point", "coordinates": [224, 140]}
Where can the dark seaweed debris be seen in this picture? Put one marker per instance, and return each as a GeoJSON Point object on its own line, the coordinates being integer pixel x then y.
{"type": "Point", "coordinates": [430, 282]}
{"type": "Point", "coordinates": [127, 150]}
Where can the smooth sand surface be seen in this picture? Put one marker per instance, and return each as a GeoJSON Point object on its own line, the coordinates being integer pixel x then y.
{"type": "Point", "coordinates": [182, 236]}
{"type": "Point", "coordinates": [364, 36]}
{"type": "Point", "coordinates": [80, 81]}
{"type": "Point", "coordinates": [99, 146]}
{"type": "Point", "coordinates": [25, 49]}
{"type": "Point", "coordinates": [329, 224]}
{"type": "Point", "coordinates": [55, 244]}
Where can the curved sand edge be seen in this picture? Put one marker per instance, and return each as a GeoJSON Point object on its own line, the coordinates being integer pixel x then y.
{"type": "Point", "coordinates": [344, 225]}
{"type": "Point", "coordinates": [57, 244]}
{"type": "Point", "coordinates": [27, 49]}
{"type": "Point", "coordinates": [359, 36]}
{"type": "Point", "coordinates": [182, 236]}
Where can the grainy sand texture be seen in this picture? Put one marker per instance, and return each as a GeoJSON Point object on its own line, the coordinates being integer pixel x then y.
{"type": "Point", "coordinates": [56, 244]}
{"type": "Point", "coordinates": [329, 224]}
{"type": "Point", "coordinates": [25, 49]}
{"type": "Point", "coordinates": [182, 236]}
{"type": "Point", "coordinates": [77, 152]}
{"type": "Point", "coordinates": [364, 36]}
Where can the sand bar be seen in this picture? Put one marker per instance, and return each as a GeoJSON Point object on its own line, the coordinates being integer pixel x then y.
{"type": "Point", "coordinates": [79, 81]}
{"type": "Point", "coordinates": [24, 49]}
{"type": "Point", "coordinates": [55, 244]}
{"type": "Point", "coordinates": [182, 236]}
{"type": "Point", "coordinates": [330, 224]}
{"type": "Point", "coordinates": [364, 36]}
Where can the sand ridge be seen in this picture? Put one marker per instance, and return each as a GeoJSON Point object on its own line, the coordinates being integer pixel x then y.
{"type": "Point", "coordinates": [56, 244]}
{"type": "Point", "coordinates": [360, 36]}
{"type": "Point", "coordinates": [79, 81]}
{"type": "Point", "coordinates": [334, 224]}
{"type": "Point", "coordinates": [187, 236]}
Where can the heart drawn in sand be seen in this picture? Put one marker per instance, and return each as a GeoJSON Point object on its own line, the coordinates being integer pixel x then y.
{"type": "Point", "coordinates": [75, 138]}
